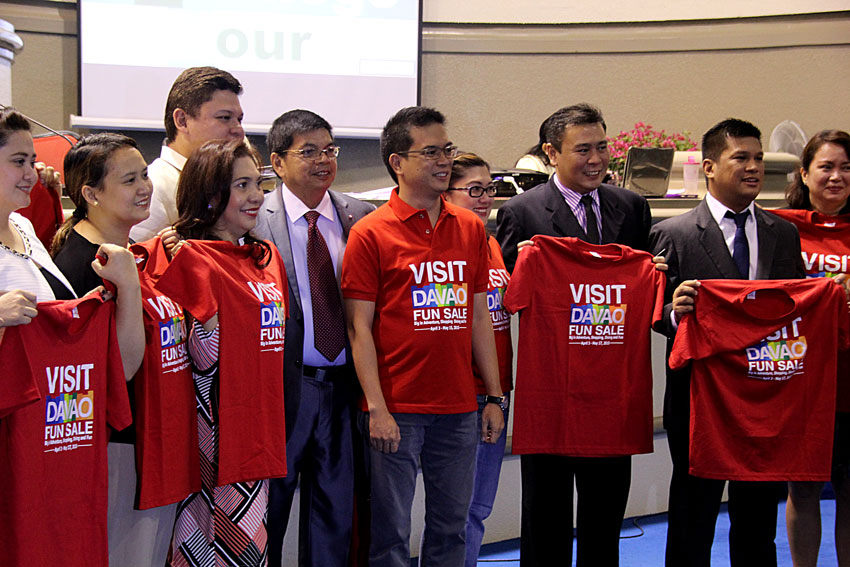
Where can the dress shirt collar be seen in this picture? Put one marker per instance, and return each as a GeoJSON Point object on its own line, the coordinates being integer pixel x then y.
{"type": "Point", "coordinates": [295, 207]}
{"type": "Point", "coordinates": [574, 197]}
{"type": "Point", "coordinates": [173, 158]}
{"type": "Point", "coordinates": [718, 209]}
{"type": "Point", "coordinates": [405, 212]}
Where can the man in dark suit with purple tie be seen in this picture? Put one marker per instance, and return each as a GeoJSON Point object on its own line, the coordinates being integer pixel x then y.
{"type": "Point", "coordinates": [574, 202]}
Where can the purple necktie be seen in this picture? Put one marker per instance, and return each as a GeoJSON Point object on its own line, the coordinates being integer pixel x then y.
{"type": "Point", "coordinates": [740, 246]}
{"type": "Point", "coordinates": [328, 320]}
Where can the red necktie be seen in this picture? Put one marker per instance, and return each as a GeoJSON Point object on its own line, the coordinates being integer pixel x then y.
{"type": "Point", "coordinates": [328, 320]}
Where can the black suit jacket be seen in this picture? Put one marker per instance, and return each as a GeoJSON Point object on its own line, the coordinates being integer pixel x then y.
{"type": "Point", "coordinates": [272, 226]}
{"type": "Point", "coordinates": [695, 249]}
{"type": "Point", "coordinates": [542, 210]}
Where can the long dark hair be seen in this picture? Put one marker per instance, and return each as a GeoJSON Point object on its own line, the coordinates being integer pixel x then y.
{"type": "Point", "coordinates": [797, 193]}
{"type": "Point", "coordinates": [537, 149]}
{"type": "Point", "coordinates": [85, 164]}
{"type": "Point", "coordinates": [204, 191]}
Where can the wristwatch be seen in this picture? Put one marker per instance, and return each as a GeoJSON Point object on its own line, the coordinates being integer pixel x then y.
{"type": "Point", "coordinates": [498, 400]}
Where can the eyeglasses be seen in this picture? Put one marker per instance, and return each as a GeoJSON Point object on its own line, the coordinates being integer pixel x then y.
{"type": "Point", "coordinates": [314, 154]}
{"type": "Point", "coordinates": [433, 153]}
{"type": "Point", "coordinates": [476, 191]}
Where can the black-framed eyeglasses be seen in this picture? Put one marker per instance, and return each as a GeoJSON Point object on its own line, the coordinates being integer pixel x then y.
{"type": "Point", "coordinates": [475, 191]}
{"type": "Point", "coordinates": [433, 152]}
{"type": "Point", "coordinates": [314, 154]}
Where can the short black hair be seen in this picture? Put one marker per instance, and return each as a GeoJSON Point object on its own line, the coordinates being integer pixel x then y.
{"type": "Point", "coordinates": [553, 128]}
{"type": "Point", "coordinates": [194, 87]}
{"type": "Point", "coordinates": [288, 124]}
{"type": "Point", "coordinates": [395, 136]}
{"type": "Point", "coordinates": [714, 140]}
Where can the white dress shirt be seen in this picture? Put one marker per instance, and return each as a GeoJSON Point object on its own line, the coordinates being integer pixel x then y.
{"type": "Point", "coordinates": [164, 172]}
{"type": "Point", "coordinates": [728, 228]}
{"type": "Point", "coordinates": [331, 229]}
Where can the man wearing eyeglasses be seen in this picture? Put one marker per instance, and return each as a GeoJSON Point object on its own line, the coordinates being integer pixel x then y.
{"type": "Point", "coordinates": [574, 202]}
{"type": "Point", "coordinates": [415, 281]}
{"type": "Point", "coordinates": [309, 225]}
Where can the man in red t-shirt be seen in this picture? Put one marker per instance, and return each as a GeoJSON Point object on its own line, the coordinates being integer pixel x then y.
{"type": "Point", "coordinates": [414, 278]}
{"type": "Point", "coordinates": [725, 237]}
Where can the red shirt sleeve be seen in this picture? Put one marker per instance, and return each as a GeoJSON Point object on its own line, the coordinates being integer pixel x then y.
{"type": "Point", "coordinates": [523, 279]}
{"type": "Point", "coordinates": [118, 413]}
{"type": "Point", "coordinates": [360, 267]}
{"type": "Point", "coordinates": [660, 286]}
{"type": "Point", "coordinates": [482, 277]}
{"type": "Point", "coordinates": [191, 280]}
{"type": "Point", "coordinates": [17, 384]}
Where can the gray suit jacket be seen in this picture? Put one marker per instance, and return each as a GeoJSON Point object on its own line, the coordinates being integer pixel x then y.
{"type": "Point", "coordinates": [695, 249]}
{"type": "Point", "coordinates": [272, 226]}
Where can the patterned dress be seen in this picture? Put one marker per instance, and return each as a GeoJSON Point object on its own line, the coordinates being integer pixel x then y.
{"type": "Point", "coordinates": [220, 525]}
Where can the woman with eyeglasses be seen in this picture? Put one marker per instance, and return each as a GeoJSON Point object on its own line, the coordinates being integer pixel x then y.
{"type": "Point", "coordinates": [471, 187]}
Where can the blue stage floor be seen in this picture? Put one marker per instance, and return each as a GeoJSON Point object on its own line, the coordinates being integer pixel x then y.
{"type": "Point", "coordinates": [647, 550]}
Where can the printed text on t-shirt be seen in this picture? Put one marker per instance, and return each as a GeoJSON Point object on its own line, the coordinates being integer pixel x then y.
{"type": "Point", "coordinates": [69, 408]}
{"type": "Point", "coordinates": [440, 296]}
{"type": "Point", "coordinates": [780, 355]}
{"type": "Point", "coordinates": [597, 314]}
{"type": "Point", "coordinates": [272, 315]}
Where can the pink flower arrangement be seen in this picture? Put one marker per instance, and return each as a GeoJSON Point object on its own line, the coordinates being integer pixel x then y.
{"type": "Point", "coordinates": [643, 136]}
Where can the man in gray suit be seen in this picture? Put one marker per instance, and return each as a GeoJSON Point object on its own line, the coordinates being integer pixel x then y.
{"type": "Point", "coordinates": [726, 236]}
{"type": "Point", "coordinates": [309, 226]}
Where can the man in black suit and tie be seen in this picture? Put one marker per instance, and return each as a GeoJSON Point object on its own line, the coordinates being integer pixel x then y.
{"type": "Point", "coordinates": [574, 202]}
{"type": "Point", "coordinates": [309, 226]}
{"type": "Point", "coordinates": [725, 236]}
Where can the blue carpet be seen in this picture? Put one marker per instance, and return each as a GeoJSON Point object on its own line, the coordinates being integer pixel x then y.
{"type": "Point", "coordinates": [648, 549]}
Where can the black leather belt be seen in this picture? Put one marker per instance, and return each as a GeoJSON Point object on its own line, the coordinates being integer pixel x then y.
{"type": "Point", "coordinates": [326, 373]}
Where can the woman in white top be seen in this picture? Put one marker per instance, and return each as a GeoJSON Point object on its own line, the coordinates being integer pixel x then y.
{"type": "Point", "coordinates": [535, 158]}
{"type": "Point", "coordinates": [28, 275]}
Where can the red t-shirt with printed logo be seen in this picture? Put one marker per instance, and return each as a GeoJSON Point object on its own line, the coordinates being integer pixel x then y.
{"type": "Point", "coordinates": [209, 277]}
{"type": "Point", "coordinates": [498, 283]}
{"type": "Point", "coordinates": [825, 244]}
{"type": "Point", "coordinates": [165, 415]}
{"type": "Point", "coordinates": [763, 356]}
{"type": "Point", "coordinates": [584, 372]}
{"type": "Point", "coordinates": [422, 280]}
{"type": "Point", "coordinates": [53, 462]}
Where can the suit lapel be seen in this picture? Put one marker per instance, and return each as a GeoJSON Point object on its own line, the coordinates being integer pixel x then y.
{"type": "Point", "coordinates": [712, 242]}
{"type": "Point", "coordinates": [564, 222]}
{"type": "Point", "coordinates": [279, 229]}
{"type": "Point", "coordinates": [612, 216]}
{"type": "Point", "coordinates": [345, 217]}
{"type": "Point", "coordinates": [767, 244]}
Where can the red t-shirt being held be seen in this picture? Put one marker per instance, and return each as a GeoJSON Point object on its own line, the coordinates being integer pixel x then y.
{"type": "Point", "coordinates": [209, 277]}
{"type": "Point", "coordinates": [584, 373]}
{"type": "Point", "coordinates": [422, 280]}
{"type": "Point", "coordinates": [165, 415]}
{"type": "Point", "coordinates": [763, 356]}
{"type": "Point", "coordinates": [498, 283]}
{"type": "Point", "coordinates": [53, 465]}
{"type": "Point", "coordinates": [825, 243]}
